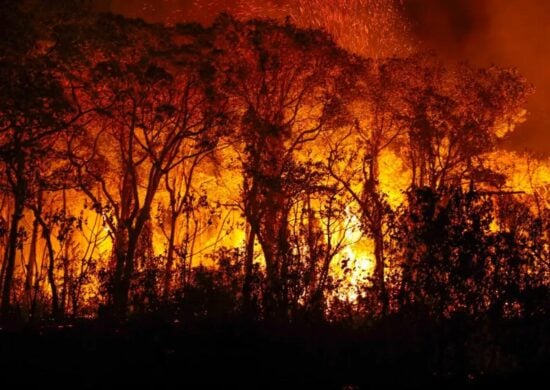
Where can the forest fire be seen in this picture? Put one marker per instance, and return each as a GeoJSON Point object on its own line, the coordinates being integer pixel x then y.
{"type": "Point", "coordinates": [286, 166]}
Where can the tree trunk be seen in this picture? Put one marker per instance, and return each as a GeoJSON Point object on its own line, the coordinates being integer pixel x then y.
{"type": "Point", "coordinates": [66, 283]}
{"type": "Point", "coordinates": [270, 296]}
{"type": "Point", "coordinates": [169, 261]}
{"type": "Point", "coordinates": [376, 222]}
{"type": "Point", "coordinates": [51, 271]}
{"type": "Point", "coordinates": [248, 268]}
{"type": "Point", "coordinates": [31, 264]}
{"type": "Point", "coordinates": [11, 251]}
{"type": "Point", "coordinates": [121, 252]}
{"type": "Point", "coordinates": [379, 270]}
{"type": "Point", "coordinates": [125, 267]}
{"type": "Point", "coordinates": [273, 239]}
{"type": "Point", "coordinates": [46, 234]}
{"type": "Point", "coordinates": [66, 266]}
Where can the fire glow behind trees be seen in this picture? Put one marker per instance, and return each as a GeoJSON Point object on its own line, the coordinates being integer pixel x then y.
{"type": "Point", "coordinates": [261, 169]}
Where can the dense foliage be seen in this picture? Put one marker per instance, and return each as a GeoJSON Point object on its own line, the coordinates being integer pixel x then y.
{"type": "Point", "coordinates": [226, 171]}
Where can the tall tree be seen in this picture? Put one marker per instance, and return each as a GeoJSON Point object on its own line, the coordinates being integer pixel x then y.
{"type": "Point", "coordinates": [155, 111]}
{"type": "Point", "coordinates": [284, 82]}
{"type": "Point", "coordinates": [33, 111]}
{"type": "Point", "coordinates": [354, 157]}
{"type": "Point", "coordinates": [454, 115]}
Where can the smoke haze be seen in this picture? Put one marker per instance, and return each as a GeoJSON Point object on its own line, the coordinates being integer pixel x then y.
{"type": "Point", "coordinates": [508, 33]}
{"type": "Point", "coordinates": [511, 33]}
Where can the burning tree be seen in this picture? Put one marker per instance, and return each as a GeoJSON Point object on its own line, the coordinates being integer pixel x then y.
{"type": "Point", "coordinates": [35, 110]}
{"type": "Point", "coordinates": [284, 83]}
{"type": "Point", "coordinates": [454, 116]}
{"type": "Point", "coordinates": [135, 117]}
{"type": "Point", "coordinates": [154, 110]}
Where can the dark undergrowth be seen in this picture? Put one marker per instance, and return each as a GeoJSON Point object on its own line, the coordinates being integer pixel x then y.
{"type": "Point", "coordinates": [396, 352]}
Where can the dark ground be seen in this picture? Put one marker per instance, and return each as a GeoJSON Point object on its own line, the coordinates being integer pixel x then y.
{"type": "Point", "coordinates": [391, 354]}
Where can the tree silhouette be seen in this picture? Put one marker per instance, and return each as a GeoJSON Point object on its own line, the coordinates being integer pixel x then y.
{"type": "Point", "coordinates": [285, 82]}
{"type": "Point", "coordinates": [149, 121]}
{"type": "Point", "coordinates": [34, 111]}
{"type": "Point", "coordinates": [228, 170]}
{"type": "Point", "coordinates": [453, 116]}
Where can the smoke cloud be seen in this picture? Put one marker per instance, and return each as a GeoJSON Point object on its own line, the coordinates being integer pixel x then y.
{"type": "Point", "coordinates": [509, 33]}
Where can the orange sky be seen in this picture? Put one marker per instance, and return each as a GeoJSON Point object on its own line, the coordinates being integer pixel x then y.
{"type": "Point", "coordinates": [503, 32]}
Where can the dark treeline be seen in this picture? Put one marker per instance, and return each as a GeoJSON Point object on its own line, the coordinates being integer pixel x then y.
{"type": "Point", "coordinates": [111, 130]}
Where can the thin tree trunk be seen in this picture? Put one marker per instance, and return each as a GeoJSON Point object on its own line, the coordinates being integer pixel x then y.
{"type": "Point", "coordinates": [248, 268]}
{"type": "Point", "coordinates": [121, 252]}
{"type": "Point", "coordinates": [376, 222]}
{"type": "Point", "coordinates": [36, 288]}
{"type": "Point", "coordinates": [46, 233]}
{"type": "Point", "coordinates": [51, 274]}
{"type": "Point", "coordinates": [379, 270]}
{"type": "Point", "coordinates": [66, 266]}
{"type": "Point", "coordinates": [10, 255]}
{"type": "Point", "coordinates": [31, 264]}
{"type": "Point", "coordinates": [122, 290]}
{"type": "Point", "coordinates": [169, 260]}
{"type": "Point", "coordinates": [66, 286]}
{"type": "Point", "coordinates": [191, 252]}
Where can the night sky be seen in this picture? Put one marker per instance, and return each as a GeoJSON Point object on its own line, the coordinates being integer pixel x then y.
{"type": "Point", "coordinates": [502, 32]}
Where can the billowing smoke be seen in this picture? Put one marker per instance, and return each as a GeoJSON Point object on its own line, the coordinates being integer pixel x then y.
{"type": "Point", "coordinates": [503, 32]}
